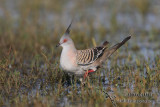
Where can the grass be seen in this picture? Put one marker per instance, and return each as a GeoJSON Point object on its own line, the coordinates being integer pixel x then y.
{"type": "Point", "coordinates": [30, 73]}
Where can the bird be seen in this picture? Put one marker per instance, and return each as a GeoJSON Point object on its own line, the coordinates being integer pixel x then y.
{"type": "Point", "coordinates": [83, 62]}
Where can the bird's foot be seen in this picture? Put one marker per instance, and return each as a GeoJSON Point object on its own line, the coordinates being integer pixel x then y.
{"type": "Point", "coordinates": [87, 72]}
{"type": "Point", "coordinates": [82, 80]}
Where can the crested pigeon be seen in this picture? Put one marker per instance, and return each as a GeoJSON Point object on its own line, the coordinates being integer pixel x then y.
{"type": "Point", "coordinates": [82, 62]}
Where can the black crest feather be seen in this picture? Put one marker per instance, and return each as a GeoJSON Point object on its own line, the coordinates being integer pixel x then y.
{"type": "Point", "coordinates": [68, 29]}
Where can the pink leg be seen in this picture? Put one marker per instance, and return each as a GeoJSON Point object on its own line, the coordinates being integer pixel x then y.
{"type": "Point", "coordinates": [86, 73]}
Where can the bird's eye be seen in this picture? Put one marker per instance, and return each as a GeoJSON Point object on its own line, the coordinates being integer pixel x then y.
{"type": "Point", "coordinates": [65, 40]}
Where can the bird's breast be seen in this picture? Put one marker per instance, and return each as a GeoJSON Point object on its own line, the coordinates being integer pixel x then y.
{"type": "Point", "coordinates": [68, 61]}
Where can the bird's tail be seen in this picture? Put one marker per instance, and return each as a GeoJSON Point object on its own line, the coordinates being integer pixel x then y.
{"type": "Point", "coordinates": [111, 50]}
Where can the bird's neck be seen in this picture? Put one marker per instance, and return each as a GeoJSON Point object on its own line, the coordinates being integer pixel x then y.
{"type": "Point", "coordinates": [69, 48]}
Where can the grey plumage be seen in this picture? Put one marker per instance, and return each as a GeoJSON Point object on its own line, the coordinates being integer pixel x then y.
{"type": "Point", "coordinates": [111, 50]}
{"type": "Point", "coordinates": [79, 61]}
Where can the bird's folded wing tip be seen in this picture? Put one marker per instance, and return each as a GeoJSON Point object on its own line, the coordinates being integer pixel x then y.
{"type": "Point", "coordinates": [105, 43]}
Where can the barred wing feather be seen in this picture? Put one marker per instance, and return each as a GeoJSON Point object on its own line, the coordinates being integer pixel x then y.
{"type": "Point", "coordinates": [88, 56]}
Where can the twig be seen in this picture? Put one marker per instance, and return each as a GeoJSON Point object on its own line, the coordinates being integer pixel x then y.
{"type": "Point", "coordinates": [108, 96]}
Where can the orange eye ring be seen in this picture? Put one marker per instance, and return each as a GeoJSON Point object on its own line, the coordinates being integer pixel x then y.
{"type": "Point", "coordinates": [65, 40]}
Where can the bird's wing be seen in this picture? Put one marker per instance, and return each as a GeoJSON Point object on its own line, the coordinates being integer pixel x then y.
{"type": "Point", "coordinates": [88, 56]}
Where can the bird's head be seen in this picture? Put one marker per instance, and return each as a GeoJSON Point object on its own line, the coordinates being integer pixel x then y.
{"type": "Point", "coordinates": [65, 39]}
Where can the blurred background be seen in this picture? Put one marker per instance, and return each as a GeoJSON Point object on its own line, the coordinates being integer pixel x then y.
{"type": "Point", "coordinates": [99, 19]}
{"type": "Point", "coordinates": [29, 61]}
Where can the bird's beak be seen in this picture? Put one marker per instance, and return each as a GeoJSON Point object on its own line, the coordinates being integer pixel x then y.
{"type": "Point", "coordinates": [58, 45]}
